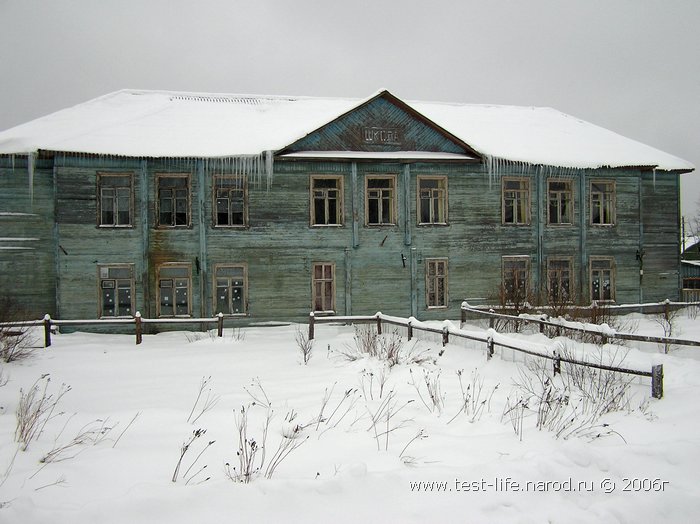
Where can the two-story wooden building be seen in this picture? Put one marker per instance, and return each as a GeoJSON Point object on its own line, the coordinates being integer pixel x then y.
{"type": "Point", "coordinates": [265, 207]}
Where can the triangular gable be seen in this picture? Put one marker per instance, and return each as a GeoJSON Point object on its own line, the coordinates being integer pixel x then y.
{"type": "Point", "coordinates": [384, 124]}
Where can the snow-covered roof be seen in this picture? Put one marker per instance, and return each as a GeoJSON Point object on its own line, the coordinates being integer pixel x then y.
{"type": "Point", "coordinates": [171, 124]}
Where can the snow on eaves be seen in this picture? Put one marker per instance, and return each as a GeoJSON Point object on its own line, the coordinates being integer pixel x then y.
{"type": "Point", "coordinates": [138, 123]}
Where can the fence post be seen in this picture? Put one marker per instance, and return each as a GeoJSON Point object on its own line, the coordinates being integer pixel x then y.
{"type": "Point", "coordinates": [220, 325]}
{"type": "Point", "coordinates": [489, 348]}
{"type": "Point", "coordinates": [557, 364]}
{"type": "Point", "coordinates": [445, 336]}
{"type": "Point", "coordinates": [541, 322]}
{"type": "Point", "coordinates": [311, 326]}
{"type": "Point", "coordinates": [492, 320]}
{"type": "Point", "coordinates": [379, 324]}
{"type": "Point", "coordinates": [657, 381]}
{"type": "Point", "coordinates": [139, 328]}
{"type": "Point", "coordinates": [409, 330]}
{"type": "Point", "coordinates": [47, 330]}
{"type": "Point", "coordinates": [462, 317]}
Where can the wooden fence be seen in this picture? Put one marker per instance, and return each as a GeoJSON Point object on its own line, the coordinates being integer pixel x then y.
{"type": "Point", "coordinates": [656, 373]}
{"type": "Point", "coordinates": [137, 321]}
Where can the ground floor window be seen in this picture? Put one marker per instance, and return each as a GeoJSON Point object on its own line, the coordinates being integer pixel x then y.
{"type": "Point", "coordinates": [116, 290]}
{"type": "Point", "coordinates": [691, 283]}
{"type": "Point", "coordinates": [602, 274]}
{"type": "Point", "coordinates": [516, 279]}
{"type": "Point", "coordinates": [323, 283]}
{"type": "Point", "coordinates": [436, 282]}
{"type": "Point", "coordinates": [230, 284]}
{"type": "Point", "coordinates": [559, 277]}
{"type": "Point", "coordinates": [174, 290]}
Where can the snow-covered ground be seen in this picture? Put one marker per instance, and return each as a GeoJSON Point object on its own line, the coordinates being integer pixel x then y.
{"type": "Point", "coordinates": [461, 468]}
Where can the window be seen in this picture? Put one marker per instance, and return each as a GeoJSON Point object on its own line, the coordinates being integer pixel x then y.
{"type": "Point", "coordinates": [516, 201]}
{"type": "Point", "coordinates": [173, 200]}
{"type": "Point", "coordinates": [602, 279]}
{"type": "Point", "coordinates": [560, 209]}
{"type": "Point", "coordinates": [602, 203]}
{"type": "Point", "coordinates": [323, 287]}
{"type": "Point", "coordinates": [114, 200]}
{"type": "Point", "coordinates": [230, 201]}
{"type": "Point", "coordinates": [516, 279]}
{"type": "Point", "coordinates": [559, 276]}
{"type": "Point", "coordinates": [326, 201]}
{"type": "Point", "coordinates": [230, 283]}
{"type": "Point", "coordinates": [381, 200]}
{"type": "Point", "coordinates": [116, 290]}
{"type": "Point", "coordinates": [432, 200]}
{"type": "Point", "coordinates": [436, 283]}
{"type": "Point", "coordinates": [174, 283]}
{"type": "Point", "coordinates": [691, 283]}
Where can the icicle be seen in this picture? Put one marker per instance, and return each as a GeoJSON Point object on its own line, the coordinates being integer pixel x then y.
{"type": "Point", "coordinates": [269, 168]}
{"type": "Point", "coordinates": [653, 175]}
{"type": "Point", "coordinates": [31, 162]}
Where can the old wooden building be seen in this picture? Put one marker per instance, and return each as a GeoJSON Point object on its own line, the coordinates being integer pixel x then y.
{"type": "Point", "coordinates": [179, 204]}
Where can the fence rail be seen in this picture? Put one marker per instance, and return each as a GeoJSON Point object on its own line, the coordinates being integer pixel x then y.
{"type": "Point", "coordinates": [560, 323]}
{"type": "Point", "coordinates": [656, 373]}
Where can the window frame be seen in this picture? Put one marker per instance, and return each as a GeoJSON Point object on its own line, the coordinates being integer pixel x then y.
{"type": "Point", "coordinates": [613, 278]}
{"type": "Point", "coordinates": [100, 186]}
{"type": "Point", "coordinates": [314, 280]}
{"type": "Point", "coordinates": [445, 277]}
{"type": "Point", "coordinates": [174, 265]}
{"type": "Point", "coordinates": [570, 263]}
{"type": "Point", "coordinates": [100, 286]}
{"type": "Point", "coordinates": [215, 277]}
{"type": "Point", "coordinates": [444, 198]}
{"type": "Point", "coordinates": [340, 211]}
{"type": "Point", "coordinates": [612, 200]}
{"type": "Point", "coordinates": [528, 274]}
{"type": "Point", "coordinates": [394, 200]}
{"type": "Point", "coordinates": [188, 224]}
{"type": "Point", "coordinates": [570, 192]}
{"type": "Point", "coordinates": [215, 198]}
{"type": "Point", "coordinates": [527, 201]}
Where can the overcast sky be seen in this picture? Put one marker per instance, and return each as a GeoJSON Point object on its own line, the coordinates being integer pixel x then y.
{"type": "Point", "coordinates": [632, 66]}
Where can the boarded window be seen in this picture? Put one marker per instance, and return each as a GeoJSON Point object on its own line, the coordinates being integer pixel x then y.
{"type": "Point", "coordinates": [323, 283]}
{"type": "Point", "coordinates": [559, 277]}
{"type": "Point", "coordinates": [436, 283]}
{"type": "Point", "coordinates": [115, 200]}
{"type": "Point", "coordinates": [230, 201]}
{"type": "Point", "coordinates": [173, 200]}
{"type": "Point", "coordinates": [602, 277]}
{"type": "Point", "coordinates": [602, 203]}
{"type": "Point", "coordinates": [230, 288]}
{"type": "Point", "coordinates": [326, 201]}
{"type": "Point", "coordinates": [174, 291]}
{"type": "Point", "coordinates": [516, 200]}
{"type": "Point", "coordinates": [116, 290]}
{"type": "Point", "coordinates": [381, 200]}
{"type": "Point", "coordinates": [560, 208]}
{"type": "Point", "coordinates": [432, 200]}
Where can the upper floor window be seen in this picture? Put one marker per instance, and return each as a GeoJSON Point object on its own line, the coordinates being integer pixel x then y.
{"type": "Point", "coordinates": [516, 200]}
{"type": "Point", "coordinates": [174, 290]}
{"type": "Point", "coordinates": [380, 203]}
{"type": "Point", "coordinates": [602, 203]}
{"type": "Point", "coordinates": [230, 283]}
{"type": "Point", "coordinates": [560, 209]}
{"type": "Point", "coordinates": [432, 200]}
{"type": "Point", "coordinates": [602, 279]}
{"type": "Point", "coordinates": [230, 201]}
{"type": "Point", "coordinates": [326, 200]}
{"type": "Point", "coordinates": [116, 293]}
{"type": "Point", "coordinates": [173, 200]}
{"type": "Point", "coordinates": [516, 279]}
{"type": "Point", "coordinates": [115, 202]}
{"type": "Point", "coordinates": [436, 282]}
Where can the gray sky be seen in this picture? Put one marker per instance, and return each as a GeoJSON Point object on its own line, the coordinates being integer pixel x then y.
{"type": "Point", "coordinates": [631, 66]}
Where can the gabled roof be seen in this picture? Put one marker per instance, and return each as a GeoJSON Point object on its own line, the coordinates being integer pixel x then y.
{"type": "Point", "coordinates": [172, 124]}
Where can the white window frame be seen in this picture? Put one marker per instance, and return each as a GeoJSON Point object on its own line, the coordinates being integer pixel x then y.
{"type": "Point", "coordinates": [558, 197]}
{"type": "Point", "coordinates": [241, 185]}
{"type": "Point", "coordinates": [101, 199]}
{"type": "Point", "coordinates": [605, 201]}
{"type": "Point", "coordinates": [393, 219]}
{"type": "Point", "coordinates": [429, 196]}
{"type": "Point", "coordinates": [104, 278]}
{"type": "Point", "coordinates": [594, 274]}
{"type": "Point", "coordinates": [159, 285]}
{"type": "Point", "coordinates": [244, 287]}
{"type": "Point", "coordinates": [339, 214]}
{"type": "Point", "coordinates": [174, 199]}
{"type": "Point", "coordinates": [520, 198]}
